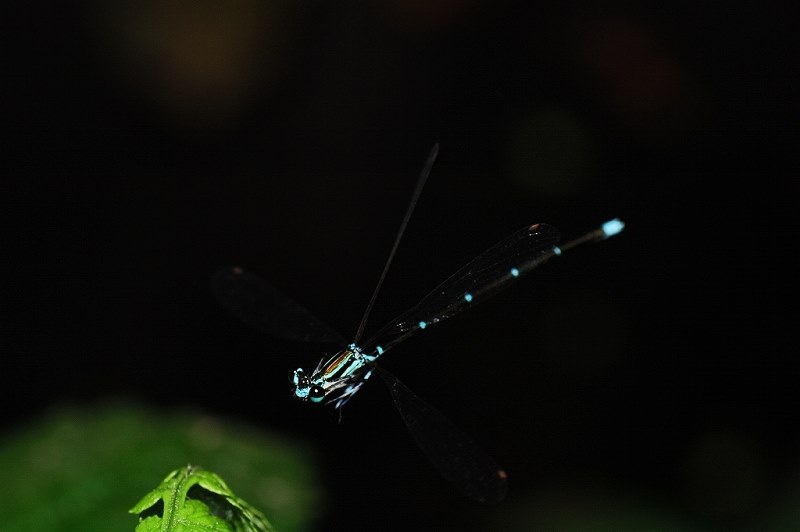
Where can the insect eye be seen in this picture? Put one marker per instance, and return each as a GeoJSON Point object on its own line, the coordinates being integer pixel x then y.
{"type": "Point", "coordinates": [316, 394]}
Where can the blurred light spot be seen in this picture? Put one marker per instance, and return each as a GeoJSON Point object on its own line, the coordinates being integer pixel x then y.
{"type": "Point", "coordinates": [201, 61]}
{"type": "Point", "coordinates": [584, 334]}
{"type": "Point", "coordinates": [423, 15]}
{"type": "Point", "coordinates": [603, 507]}
{"type": "Point", "coordinates": [275, 492]}
{"type": "Point", "coordinates": [723, 475]}
{"type": "Point", "coordinates": [783, 512]}
{"type": "Point", "coordinates": [643, 81]}
{"type": "Point", "coordinates": [206, 433]}
{"type": "Point", "coordinates": [551, 153]}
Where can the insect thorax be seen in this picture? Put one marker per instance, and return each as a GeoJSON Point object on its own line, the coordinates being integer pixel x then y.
{"type": "Point", "coordinates": [335, 379]}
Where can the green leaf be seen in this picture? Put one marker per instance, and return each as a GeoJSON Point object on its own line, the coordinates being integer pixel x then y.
{"type": "Point", "coordinates": [191, 499]}
{"type": "Point", "coordinates": [79, 468]}
{"type": "Point", "coordinates": [195, 517]}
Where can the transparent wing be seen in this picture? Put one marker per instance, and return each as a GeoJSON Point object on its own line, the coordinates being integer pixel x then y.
{"type": "Point", "coordinates": [459, 459]}
{"type": "Point", "coordinates": [487, 274]}
{"type": "Point", "coordinates": [252, 300]}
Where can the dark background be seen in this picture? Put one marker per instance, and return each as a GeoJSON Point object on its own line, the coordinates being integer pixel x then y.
{"type": "Point", "coordinates": [152, 143]}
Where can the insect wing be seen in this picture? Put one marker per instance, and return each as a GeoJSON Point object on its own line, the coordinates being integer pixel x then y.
{"type": "Point", "coordinates": [487, 274]}
{"type": "Point", "coordinates": [260, 305]}
{"type": "Point", "coordinates": [457, 457]}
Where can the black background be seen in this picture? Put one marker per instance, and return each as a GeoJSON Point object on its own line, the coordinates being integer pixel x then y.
{"type": "Point", "coordinates": [150, 145]}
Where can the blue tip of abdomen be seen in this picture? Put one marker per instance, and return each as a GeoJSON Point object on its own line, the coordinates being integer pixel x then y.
{"type": "Point", "coordinates": [612, 227]}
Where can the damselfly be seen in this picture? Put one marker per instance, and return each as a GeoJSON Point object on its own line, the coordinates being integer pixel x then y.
{"type": "Point", "coordinates": [336, 379]}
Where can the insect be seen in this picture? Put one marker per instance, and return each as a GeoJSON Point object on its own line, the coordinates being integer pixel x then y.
{"type": "Point", "coordinates": [338, 378]}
